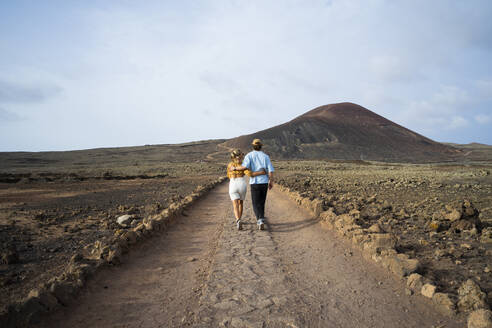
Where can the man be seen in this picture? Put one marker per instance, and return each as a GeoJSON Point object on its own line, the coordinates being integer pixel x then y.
{"type": "Point", "coordinates": [257, 160]}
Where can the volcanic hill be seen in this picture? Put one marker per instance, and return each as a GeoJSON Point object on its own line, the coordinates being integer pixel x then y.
{"type": "Point", "coordinates": [346, 131]}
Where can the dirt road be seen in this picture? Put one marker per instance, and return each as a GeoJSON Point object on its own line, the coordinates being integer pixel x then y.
{"type": "Point", "coordinates": [202, 272]}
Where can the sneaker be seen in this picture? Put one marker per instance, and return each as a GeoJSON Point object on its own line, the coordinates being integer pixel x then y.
{"type": "Point", "coordinates": [261, 224]}
{"type": "Point", "coordinates": [239, 225]}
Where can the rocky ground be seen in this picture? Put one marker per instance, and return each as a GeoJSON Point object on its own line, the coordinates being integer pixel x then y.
{"type": "Point", "coordinates": [202, 272]}
{"type": "Point", "coordinates": [47, 217]}
{"type": "Point", "coordinates": [441, 214]}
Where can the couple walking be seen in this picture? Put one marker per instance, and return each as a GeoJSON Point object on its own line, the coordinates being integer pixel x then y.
{"type": "Point", "coordinates": [257, 165]}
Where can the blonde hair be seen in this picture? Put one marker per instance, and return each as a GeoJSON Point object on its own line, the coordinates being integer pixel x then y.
{"type": "Point", "coordinates": [236, 154]}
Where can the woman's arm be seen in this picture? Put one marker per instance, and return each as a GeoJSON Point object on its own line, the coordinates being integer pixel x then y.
{"type": "Point", "coordinates": [238, 168]}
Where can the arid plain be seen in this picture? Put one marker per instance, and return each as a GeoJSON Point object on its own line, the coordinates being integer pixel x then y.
{"type": "Point", "coordinates": [60, 212]}
{"type": "Point", "coordinates": [52, 205]}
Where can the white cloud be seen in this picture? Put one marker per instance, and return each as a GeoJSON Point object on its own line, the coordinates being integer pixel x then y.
{"type": "Point", "coordinates": [388, 68]}
{"type": "Point", "coordinates": [483, 119]}
{"type": "Point", "coordinates": [26, 91]}
{"type": "Point", "coordinates": [8, 116]}
{"type": "Point", "coordinates": [442, 110]}
{"type": "Point", "coordinates": [445, 101]}
{"type": "Point", "coordinates": [156, 67]}
{"type": "Point", "coordinates": [457, 122]}
{"type": "Point", "coordinates": [450, 96]}
{"type": "Point", "coordinates": [484, 88]}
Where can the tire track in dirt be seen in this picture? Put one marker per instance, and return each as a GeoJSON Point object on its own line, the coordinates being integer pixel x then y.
{"type": "Point", "coordinates": [202, 272]}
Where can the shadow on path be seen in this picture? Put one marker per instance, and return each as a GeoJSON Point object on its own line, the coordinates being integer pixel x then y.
{"type": "Point", "coordinates": [290, 226]}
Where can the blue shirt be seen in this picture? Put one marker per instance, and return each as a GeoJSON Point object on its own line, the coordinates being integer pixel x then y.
{"type": "Point", "coordinates": [255, 161]}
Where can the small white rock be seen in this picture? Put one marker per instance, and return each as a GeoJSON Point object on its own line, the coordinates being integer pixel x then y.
{"type": "Point", "coordinates": [124, 219]}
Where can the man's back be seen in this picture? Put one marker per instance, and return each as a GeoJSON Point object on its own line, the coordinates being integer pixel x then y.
{"type": "Point", "coordinates": [255, 161]}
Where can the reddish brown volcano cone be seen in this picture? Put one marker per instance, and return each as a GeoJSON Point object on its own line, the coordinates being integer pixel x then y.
{"type": "Point", "coordinates": [345, 131]}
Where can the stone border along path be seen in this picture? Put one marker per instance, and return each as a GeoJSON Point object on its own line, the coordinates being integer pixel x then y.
{"type": "Point", "coordinates": [61, 290]}
{"type": "Point", "coordinates": [380, 247]}
{"type": "Point", "coordinates": [204, 273]}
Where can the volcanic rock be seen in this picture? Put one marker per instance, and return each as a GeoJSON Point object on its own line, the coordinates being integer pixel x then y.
{"type": "Point", "coordinates": [471, 297]}
{"type": "Point", "coordinates": [469, 211]}
{"type": "Point", "coordinates": [376, 228]}
{"type": "Point", "coordinates": [45, 298]}
{"type": "Point", "coordinates": [415, 282]}
{"type": "Point", "coordinates": [10, 256]}
{"type": "Point", "coordinates": [444, 303]}
{"type": "Point", "coordinates": [480, 319]}
{"type": "Point", "coordinates": [462, 225]}
{"type": "Point", "coordinates": [428, 290]}
{"type": "Point", "coordinates": [486, 236]}
{"type": "Point", "coordinates": [401, 264]}
{"type": "Point", "coordinates": [454, 215]}
{"type": "Point", "coordinates": [63, 291]}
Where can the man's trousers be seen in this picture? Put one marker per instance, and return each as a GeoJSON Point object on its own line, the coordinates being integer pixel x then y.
{"type": "Point", "coordinates": [258, 198]}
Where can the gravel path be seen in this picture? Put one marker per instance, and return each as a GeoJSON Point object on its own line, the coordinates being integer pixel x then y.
{"type": "Point", "coordinates": [204, 273]}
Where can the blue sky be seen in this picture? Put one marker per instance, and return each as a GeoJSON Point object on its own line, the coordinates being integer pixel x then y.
{"type": "Point", "coordinates": [85, 74]}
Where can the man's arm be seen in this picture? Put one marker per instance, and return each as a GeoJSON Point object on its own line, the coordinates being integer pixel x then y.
{"type": "Point", "coordinates": [257, 173]}
{"type": "Point", "coordinates": [243, 166]}
{"type": "Point", "coordinates": [270, 173]}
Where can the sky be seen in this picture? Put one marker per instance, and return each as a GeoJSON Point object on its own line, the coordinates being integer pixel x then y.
{"type": "Point", "coordinates": [87, 74]}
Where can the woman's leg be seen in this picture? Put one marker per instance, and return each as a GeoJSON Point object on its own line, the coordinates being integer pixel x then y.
{"type": "Point", "coordinates": [240, 208]}
{"type": "Point", "coordinates": [238, 211]}
{"type": "Point", "coordinates": [235, 205]}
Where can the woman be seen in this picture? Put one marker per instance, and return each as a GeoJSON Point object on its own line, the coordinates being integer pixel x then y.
{"type": "Point", "coordinates": [238, 185]}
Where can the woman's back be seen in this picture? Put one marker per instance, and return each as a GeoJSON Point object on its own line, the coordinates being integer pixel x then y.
{"type": "Point", "coordinates": [236, 174]}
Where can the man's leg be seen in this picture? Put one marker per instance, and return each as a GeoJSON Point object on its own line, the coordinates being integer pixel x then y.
{"type": "Point", "coordinates": [255, 199]}
{"type": "Point", "coordinates": [263, 189]}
